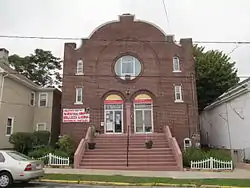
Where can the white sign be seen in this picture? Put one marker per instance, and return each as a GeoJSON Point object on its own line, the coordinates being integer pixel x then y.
{"type": "Point", "coordinates": [75, 115]}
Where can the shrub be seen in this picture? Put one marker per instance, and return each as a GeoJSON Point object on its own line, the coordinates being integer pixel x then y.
{"type": "Point", "coordinates": [66, 147]}
{"type": "Point", "coordinates": [195, 154]}
{"type": "Point", "coordinates": [22, 141]}
{"type": "Point", "coordinates": [66, 144]}
{"type": "Point", "coordinates": [40, 152]}
{"type": "Point", "coordinates": [42, 138]}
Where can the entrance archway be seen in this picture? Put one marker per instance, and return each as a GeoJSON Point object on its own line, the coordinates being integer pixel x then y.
{"type": "Point", "coordinates": [143, 114]}
{"type": "Point", "coordinates": [113, 114]}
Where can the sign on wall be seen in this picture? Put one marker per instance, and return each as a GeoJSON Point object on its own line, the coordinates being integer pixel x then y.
{"type": "Point", "coordinates": [75, 115]}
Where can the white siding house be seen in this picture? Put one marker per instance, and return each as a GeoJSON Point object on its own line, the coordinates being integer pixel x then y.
{"type": "Point", "coordinates": [226, 122]}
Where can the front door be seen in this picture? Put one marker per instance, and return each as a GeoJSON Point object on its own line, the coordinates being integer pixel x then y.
{"type": "Point", "coordinates": [113, 118]}
{"type": "Point", "coordinates": [143, 121]}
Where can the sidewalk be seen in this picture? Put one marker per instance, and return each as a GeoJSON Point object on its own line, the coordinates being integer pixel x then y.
{"type": "Point", "coordinates": [236, 174]}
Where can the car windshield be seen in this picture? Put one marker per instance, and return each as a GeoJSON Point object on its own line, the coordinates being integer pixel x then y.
{"type": "Point", "coordinates": [18, 156]}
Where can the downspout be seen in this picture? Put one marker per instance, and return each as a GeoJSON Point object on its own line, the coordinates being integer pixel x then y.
{"type": "Point", "coordinates": [2, 86]}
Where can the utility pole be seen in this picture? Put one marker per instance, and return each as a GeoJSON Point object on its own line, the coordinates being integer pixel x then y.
{"type": "Point", "coordinates": [229, 133]}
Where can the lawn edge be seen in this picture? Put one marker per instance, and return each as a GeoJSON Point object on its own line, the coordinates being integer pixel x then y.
{"type": "Point", "coordinates": [133, 184]}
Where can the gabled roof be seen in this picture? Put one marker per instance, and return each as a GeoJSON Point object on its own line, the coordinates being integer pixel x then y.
{"type": "Point", "coordinates": [235, 91]}
{"type": "Point", "coordinates": [11, 73]}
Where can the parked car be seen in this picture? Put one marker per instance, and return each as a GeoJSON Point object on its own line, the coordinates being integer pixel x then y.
{"type": "Point", "coordinates": [16, 167]}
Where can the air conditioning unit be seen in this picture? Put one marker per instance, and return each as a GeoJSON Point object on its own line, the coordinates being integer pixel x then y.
{"type": "Point", "coordinates": [127, 77]}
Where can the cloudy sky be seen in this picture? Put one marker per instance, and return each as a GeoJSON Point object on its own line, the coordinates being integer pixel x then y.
{"type": "Point", "coordinates": [203, 20]}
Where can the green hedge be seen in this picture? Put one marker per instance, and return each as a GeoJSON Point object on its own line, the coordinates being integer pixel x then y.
{"type": "Point", "coordinates": [195, 154]}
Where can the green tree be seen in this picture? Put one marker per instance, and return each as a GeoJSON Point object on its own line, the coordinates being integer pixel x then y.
{"type": "Point", "coordinates": [41, 67]}
{"type": "Point", "coordinates": [215, 74]}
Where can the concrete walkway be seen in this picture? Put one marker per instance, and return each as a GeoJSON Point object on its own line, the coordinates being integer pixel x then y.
{"type": "Point", "coordinates": [236, 174]}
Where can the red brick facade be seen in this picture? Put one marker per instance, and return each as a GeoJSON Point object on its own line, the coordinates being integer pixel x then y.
{"type": "Point", "coordinates": [155, 51]}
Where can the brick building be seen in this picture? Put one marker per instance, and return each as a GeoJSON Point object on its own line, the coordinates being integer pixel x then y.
{"type": "Point", "coordinates": [131, 77]}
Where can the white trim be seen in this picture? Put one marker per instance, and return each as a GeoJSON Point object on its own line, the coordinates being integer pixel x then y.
{"type": "Point", "coordinates": [45, 126]}
{"type": "Point", "coordinates": [152, 119]}
{"type": "Point", "coordinates": [41, 93]}
{"type": "Point", "coordinates": [34, 100]}
{"type": "Point", "coordinates": [120, 110]}
{"type": "Point", "coordinates": [177, 71]}
{"type": "Point", "coordinates": [12, 126]}
{"type": "Point", "coordinates": [76, 95]}
{"type": "Point", "coordinates": [175, 93]}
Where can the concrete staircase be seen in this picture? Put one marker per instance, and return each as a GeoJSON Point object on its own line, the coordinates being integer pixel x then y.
{"type": "Point", "coordinates": [111, 153]}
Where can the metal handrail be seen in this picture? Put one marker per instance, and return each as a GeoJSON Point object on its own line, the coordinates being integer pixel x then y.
{"type": "Point", "coordinates": [127, 144]}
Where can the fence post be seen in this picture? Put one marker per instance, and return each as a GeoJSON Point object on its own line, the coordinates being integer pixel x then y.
{"type": "Point", "coordinates": [211, 163]}
{"type": "Point", "coordinates": [50, 159]}
{"type": "Point", "coordinates": [68, 161]}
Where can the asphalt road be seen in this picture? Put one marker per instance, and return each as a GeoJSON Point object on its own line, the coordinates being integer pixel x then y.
{"type": "Point", "coordinates": [57, 185]}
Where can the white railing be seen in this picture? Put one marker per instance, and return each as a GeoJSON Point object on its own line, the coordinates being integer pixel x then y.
{"type": "Point", "coordinates": [53, 160]}
{"type": "Point", "coordinates": [212, 164]}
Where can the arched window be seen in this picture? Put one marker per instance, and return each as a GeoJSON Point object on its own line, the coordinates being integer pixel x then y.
{"type": "Point", "coordinates": [143, 114]}
{"type": "Point", "coordinates": [176, 64]}
{"type": "Point", "coordinates": [113, 114]}
{"type": "Point", "coordinates": [79, 67]}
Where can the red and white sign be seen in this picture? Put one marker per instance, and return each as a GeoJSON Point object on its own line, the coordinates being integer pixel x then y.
{"type": "Point", "coordinates": [75, 115]}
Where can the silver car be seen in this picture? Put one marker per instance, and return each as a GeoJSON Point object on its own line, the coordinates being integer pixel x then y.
{"type": "Point", "coordinates": [15, 166]}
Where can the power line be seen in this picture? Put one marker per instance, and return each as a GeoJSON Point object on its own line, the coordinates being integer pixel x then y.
{"type": "Point", "coordinates": [120, 40]}
{"type": "Point", "coordinates": [166, 13]}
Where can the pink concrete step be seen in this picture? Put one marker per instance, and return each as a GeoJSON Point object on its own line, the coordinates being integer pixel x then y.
{"type": "Point", "coordinates": [131, 156]}
{"type": "Point", "coordinates": [104, 157]}
{"type": "Point", "coordinates": [151, 168]}
{"type": "Point", "coordinates": [111, 153]}
{"type": "Point", "coordinates": [124, 162]}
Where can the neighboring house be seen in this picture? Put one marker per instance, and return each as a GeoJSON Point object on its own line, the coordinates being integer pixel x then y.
{"type": "Point", "coordinates": [129, 76]}
{"type": "Point", "coordinates": [226, 122]}
{"type": "Point", "coordinates": [24, 106]}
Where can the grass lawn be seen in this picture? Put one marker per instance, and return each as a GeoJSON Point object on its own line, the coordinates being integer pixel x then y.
{"type": "Point", "coordinates": [130, 179]}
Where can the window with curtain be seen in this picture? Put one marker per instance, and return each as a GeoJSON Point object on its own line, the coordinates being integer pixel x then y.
{"type": "Point", "coordinates": [176, 64]}
{"type": "Point", "coordinates": [79, 67]}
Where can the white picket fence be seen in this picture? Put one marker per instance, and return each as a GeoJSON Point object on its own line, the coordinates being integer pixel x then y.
{"type": "Point", "coordinates": [212, 164]}
{"type": "Point", "coordinates": [54, 160]}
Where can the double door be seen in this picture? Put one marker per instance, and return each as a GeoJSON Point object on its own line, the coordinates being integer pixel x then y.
{"type": "Point", "coordinates": [143, 118]}
{"type": "Point", "coordinates": [113, 118]}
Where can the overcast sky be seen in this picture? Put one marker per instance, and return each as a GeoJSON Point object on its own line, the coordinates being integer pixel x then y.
{"type": "Point", "coordinates": [206, 20]}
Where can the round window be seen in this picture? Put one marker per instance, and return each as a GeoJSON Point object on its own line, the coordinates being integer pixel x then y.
{"type": "Point", "coordinates": [127, 67]}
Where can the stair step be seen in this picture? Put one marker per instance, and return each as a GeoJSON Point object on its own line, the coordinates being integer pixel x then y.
{"type": "Point", "coordinates": [124, 162]}
{"type": "Point", "coordinates": [158, 168]}
{"type": "Point", "coordinates": [130, 147]}
{"type": "Point", "coordinates": [124, 156]}
{"type": "Point", "coordinates": [131, 159]}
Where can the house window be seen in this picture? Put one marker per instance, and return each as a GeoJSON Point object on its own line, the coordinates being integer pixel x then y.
{"type": "Point", "coordinates": [79, 67]}
{"type": "Point", "coordinates": [43, 99]}
{"type": "Point", "coordinates": [178, 94]}
{"type": "Point", "coordinates": [41, 127]}
{"type": "Point", "coordinates": [79, 96]}
{"type": "Point", "coordinates": [9, 126]}
{"type": "Point", "coordinates": [127, 66]}
{"type": "Point", "coordinates": [32, 99]}
{"type": "Point", "coordinates": [176, 64]}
